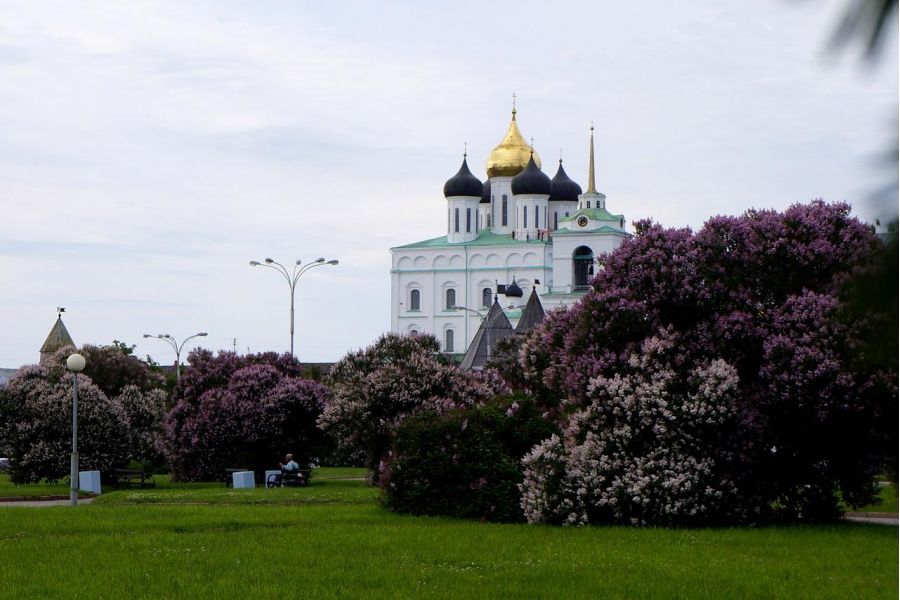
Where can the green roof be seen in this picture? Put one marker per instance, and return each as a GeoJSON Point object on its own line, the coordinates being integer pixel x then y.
{"type": "Point", "coordinates": [597, 214]}
{"type": "Point", "coordinates": [485, 238]}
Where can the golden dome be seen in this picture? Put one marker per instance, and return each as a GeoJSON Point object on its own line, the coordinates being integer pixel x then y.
{"type": "Point", "coordinates": [512, 153]}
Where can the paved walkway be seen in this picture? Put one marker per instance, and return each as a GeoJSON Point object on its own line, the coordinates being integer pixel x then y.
{"type": "Point", "coordinates": [42, 503]}
{"type": "Point", "coordinates": [874, 518]}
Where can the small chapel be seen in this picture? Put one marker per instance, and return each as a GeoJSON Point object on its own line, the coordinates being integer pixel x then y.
{"type": "Point", "coordinates": [516, 234]}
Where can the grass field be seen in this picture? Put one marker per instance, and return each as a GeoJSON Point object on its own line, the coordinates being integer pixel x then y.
{"type": "Point", "coordinates": [332, 540]}
{"type": "Point", "coordinates": [888, 502]}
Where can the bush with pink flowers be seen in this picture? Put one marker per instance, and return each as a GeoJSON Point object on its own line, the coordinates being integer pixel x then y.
{"type": "Point", "coordinates": [36, 419]}
{"type": "Point", "coordinates": [241, 411]}
{"type": "Point", "coordinates": [758, 302]}
{"type": "Point", "coordinates": [376, 388]}
{"type": "Point", "coordinates": [650, 448]}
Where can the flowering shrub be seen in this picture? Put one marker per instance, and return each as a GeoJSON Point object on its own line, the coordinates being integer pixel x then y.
{"type": "Point", "coordinates": [111, 368]}
{"type": "Point", "coordinates": [246, 411]}
{"type": "Point", "coordinates": [375, 389]}
{"type": "Point", "coordinates": [764, 294]}
{"type": "Point", "coordinates": [464, 462]}
{"type": "Point", "coordinates": [647, 450]}
{"type": "Point", "coordinates": [145, 412]}
{"type": "Point", "coordinates": [37, 425]}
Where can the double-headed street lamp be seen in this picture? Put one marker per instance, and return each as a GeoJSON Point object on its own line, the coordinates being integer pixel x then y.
{"type": "Point", "coordinates": [75, 363]}
{"type": "Point", "coordinates": [175, 346]}
{"type": "Point", "coordinates": [292, 277]}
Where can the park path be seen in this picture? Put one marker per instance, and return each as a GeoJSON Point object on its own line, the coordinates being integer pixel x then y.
{"type": "Point", "coordinates": [43, 503]}
{"type": "Point", "coordinates": [874, 518]}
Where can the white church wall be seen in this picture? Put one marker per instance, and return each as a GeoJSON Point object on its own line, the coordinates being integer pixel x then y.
{"type": "Point", "coordinates": [564, 247]}
{"type": "Point", "coordinates": [500, 187]}
{"type": "Point", "coordinates": [432, 271]}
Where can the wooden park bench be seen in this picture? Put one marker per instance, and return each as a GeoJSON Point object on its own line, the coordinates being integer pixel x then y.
{"type": "Point", "coordinates": [289, 478]}
{"type": "Point", "coordinates": [133, 478]}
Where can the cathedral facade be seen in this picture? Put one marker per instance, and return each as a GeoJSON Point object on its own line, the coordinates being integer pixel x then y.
{"type": "Point", "coordinates": [517, 232]}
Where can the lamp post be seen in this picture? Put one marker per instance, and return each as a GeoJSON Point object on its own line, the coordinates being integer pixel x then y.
{"type": "Point", "coordinates": [292, 277]}
{"type": "Point", "coordinates": [175, 346]}
{"type": "Point", "coordinates": [75, 363]}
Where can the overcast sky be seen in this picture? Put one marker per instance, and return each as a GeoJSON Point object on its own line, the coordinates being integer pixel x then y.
{"type": "Point", "coordinates": [149, 150]}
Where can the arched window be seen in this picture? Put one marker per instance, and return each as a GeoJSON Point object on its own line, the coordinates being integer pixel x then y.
{"type": "Point", "coordinates": [582, 268]}
{"type": "Point", "coordinates": [525, 217]}
{"type": "Point", "coordinates": [486, 297]}
{"type": "Point", "coordinates": [456, 222]}
{"type": "Point", "coordinates": [537, 218]}
{"type": "Point", "coordinates": [503, 211]}
{"type": "Point", "coordinates": [451, 298]}
{"type": "Point", "coordinates": [413, 332]}
{"type": "Point", "coordinates": [556, 220]}
{"type": "Point", "coordinates": [448, 341]}
{"type": "Point", "coordinates": [414, 302]}
{"type": "Point", "coordinates": [589, 203]}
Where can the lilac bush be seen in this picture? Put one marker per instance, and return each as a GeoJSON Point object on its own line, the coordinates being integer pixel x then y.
{"type": "Point", "coordinates": [376, 388]}
{"type": "Point", "coordinates": [646, 450]}
{"type": "Point", "coordinates": [765, 293]}
{"type": "Point", "coordinates": [37, 425]}
{"type": "Point", "coordinates": [111, 368]}
{"type": "Point", "coordinates": [145, 412]}
{"type": "Point", "coordinates": [241, 411]}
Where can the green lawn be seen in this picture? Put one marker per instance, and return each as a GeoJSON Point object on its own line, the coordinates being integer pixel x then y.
{"type": "Point", "coordinates": [888, 502]}
{"type": "Point", "coordinates": [31, 490]}
{"type": "Point", "coordinates": [332, 540]}
{"type": "Point", "coordinates": [8, 489]}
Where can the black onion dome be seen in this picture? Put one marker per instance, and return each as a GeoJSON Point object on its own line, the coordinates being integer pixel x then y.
{"type": "Point", "coordinates": [564, 189]}
{"type": "Point", "coordinates": [463, 183]}
{"type": "Point", "coordinates": [486, 192]}
{"type": "Point", "coordinates": [513, 290]}
{"type": "Point", "coordinates": [531, 181]}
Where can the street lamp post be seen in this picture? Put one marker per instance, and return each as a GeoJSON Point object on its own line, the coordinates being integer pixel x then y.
{"type": "Point", "coordinates": [292, 277]}
{"type": "Point", "coordinates": [75, 363]}
{"type": "Point", "coordinates": [175, 346]}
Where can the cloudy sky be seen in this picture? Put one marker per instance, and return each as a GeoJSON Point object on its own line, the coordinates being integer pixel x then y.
{"type": "Point", "coordinates": [149, 150]}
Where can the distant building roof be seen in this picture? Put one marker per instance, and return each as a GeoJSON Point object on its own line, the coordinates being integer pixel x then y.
{"type": "Point", "coordinates": [5, 374]}
{"type": "Point", "coordinates": [494, 328]}
{"type": "Point", "coordinates": [58, 338]}
{"type": "Point", "coordinates": [532, 315]}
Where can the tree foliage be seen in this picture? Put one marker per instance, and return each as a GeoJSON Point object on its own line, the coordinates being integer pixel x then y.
{"type": "Point", "coordinates": [36, 423]}
{"type": "Point", "coordinates": [764, 293]}
{"type": "Point", "coordinates": [241, 411]}
{"type": "Point", "coordinates": [111, 368]}
{"type": "Point", "coordinates": [376, 388]}
{"type": "Point", "coordinates": [464, 462]}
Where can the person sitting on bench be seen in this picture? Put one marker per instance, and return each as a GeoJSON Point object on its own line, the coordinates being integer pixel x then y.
{"type": "Point", "coordinates": [289, 464]}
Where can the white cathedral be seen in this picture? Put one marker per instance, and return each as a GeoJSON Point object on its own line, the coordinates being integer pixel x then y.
{"type": "Point", "coordinates": [516, 233]}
